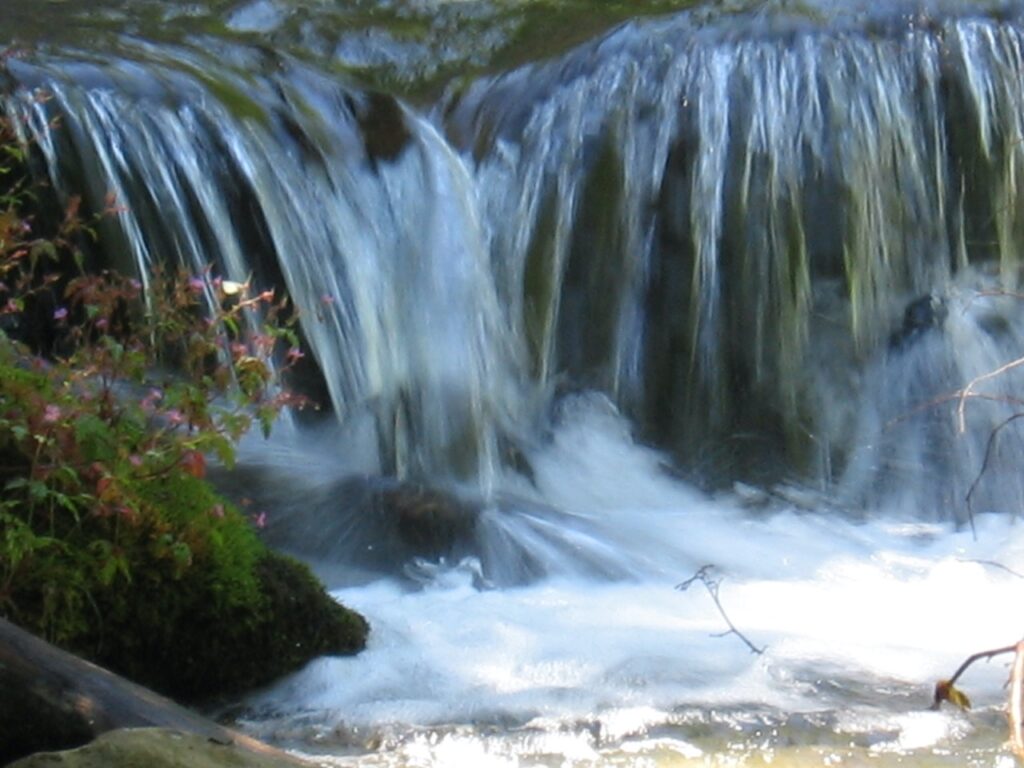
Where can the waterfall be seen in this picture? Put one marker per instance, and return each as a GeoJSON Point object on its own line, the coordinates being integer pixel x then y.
{"type": "Point", "coordinates": [722, 227]}
{"type": "Point", "coordinates": [378, 241]}
{"type": "Point", "coordinates": [717, 222]}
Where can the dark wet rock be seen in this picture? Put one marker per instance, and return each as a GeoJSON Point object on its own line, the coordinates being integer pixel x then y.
{"type": "Point", "coordinates": [382, 123]}
{"type": "Point", "coordinates": [375, 524]}
{"type": "Point", "coordinates": [923, 314]}
{"type": "Point", "coordinates": [52, 700]}
{"type": "Point", "coordinates": [428, 521]}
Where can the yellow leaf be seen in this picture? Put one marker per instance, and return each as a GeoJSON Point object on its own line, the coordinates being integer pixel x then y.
{"type": "Point", "coordinates": [944, 691]}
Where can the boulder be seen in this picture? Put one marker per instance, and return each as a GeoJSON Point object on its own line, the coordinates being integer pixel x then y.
{"type": "Point", "coordinates": [51, 700]}
{"type": "Point", "coordinates": [369, 524]}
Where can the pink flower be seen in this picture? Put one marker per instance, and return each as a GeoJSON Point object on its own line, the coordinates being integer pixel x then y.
{"type": "Point", "coordinates": [150, 399]}
{"type": "Point", "coordinates": [175, 417]}
{"type": "Point", "coordinates": [260, 520]}
{"type": "Point", "coordinates": [51, 414]}
{"type": "Point", "coordinates": [135, 460]}
{"type": "Point", "coordinates": [60, 313]}
{"type": "Point", "coordinates": [196, 284]}
{"type": "Point", "coordinates": [294, 355]}
{"type": "Point", "coordinates": [263, 342]}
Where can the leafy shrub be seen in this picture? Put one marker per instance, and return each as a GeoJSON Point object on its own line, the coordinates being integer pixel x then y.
{"type": "Point", "coordinates": [112, 397]}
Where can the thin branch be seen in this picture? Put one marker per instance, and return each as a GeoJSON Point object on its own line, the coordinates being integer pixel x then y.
{"type": "Point", "coordinates": [948, 397]}
{"type": "Point", "coordinates": [999, 293]}
{"type": "Point", "coordinates": [967, 392]}
{"type": "Point", "coordinates": [978, 657]}
{"type": "Point", "coordinates": [1016, 713]}
{"type": "Point", "coordinates": [711, 584]}
{"type": "Point", "coordinates": [945, 685]}
{"type": "Point", "coordinates": [993, 564]}
{"type": "Point", "coordinates": [984, 466]}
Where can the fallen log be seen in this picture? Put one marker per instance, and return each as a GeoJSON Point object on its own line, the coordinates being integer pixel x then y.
{"type": "Point", "coordinates": [51, 700]}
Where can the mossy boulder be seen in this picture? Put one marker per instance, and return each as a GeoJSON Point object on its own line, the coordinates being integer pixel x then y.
{"type": "Point", "coordinates": [200, 650]}
{"type": "Point", "coordinates": [238, 616]}
{"type": "Point", "coordinates": [180, 595]}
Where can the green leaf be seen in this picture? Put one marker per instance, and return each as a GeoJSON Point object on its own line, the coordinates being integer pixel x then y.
{"type": "Point", "coordinates": [96, 438]}
{"type": "Point", "coordinates": [38, 490]}
{"type": "Point", "coordinates": [16, 483]}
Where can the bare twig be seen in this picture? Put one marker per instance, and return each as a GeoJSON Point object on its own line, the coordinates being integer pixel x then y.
{"type": "Point", "coordinates": [1016, 709]}
{"type": "Point", "coordinates": [967, 391]}
{"type": "Point", "coordinates": [949, 397]}
{"type": "Point", "coordinates": [984, 466]}
{"type": "Point", "coordinates": [998, 293]}
{"type": "Point", "coordinates": [943, 686]}
{"type": "Point", "coordinates": [993, 564]}
{"type": "Point", "coordinates": [711, 584]}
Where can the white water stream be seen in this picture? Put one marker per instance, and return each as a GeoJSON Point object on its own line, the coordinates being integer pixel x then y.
{"type": "Point", "coordinates": [858, 621]}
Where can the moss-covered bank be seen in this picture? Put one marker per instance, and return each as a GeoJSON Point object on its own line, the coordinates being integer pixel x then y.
{"type": "Point", "coordinates": [128, 558]}
{"type": "Point", "coordinates": [182, 597]}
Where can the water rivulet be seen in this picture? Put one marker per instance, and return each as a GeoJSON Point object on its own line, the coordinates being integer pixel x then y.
{"type": "Point", "coordinates": [720, 225]}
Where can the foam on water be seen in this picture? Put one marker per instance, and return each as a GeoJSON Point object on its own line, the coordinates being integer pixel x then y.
{"type": "Point", "coordinates": [858, 621]}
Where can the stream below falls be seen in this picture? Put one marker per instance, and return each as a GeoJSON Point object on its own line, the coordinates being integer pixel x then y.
{"type": "Point", "coordinates": [856, 622]}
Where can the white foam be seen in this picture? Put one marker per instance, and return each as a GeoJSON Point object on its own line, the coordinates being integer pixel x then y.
{"type": "Point", "coordinates": [855, 617]}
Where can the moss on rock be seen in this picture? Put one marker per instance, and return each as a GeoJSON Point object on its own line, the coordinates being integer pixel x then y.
{"type": "Point", "coordinates": [200, 650]}
{"type": "Point", "coordinates": [234, 617]}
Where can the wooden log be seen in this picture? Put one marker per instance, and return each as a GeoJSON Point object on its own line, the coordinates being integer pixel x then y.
{"type": "Point", "coordinates": [51, 700]}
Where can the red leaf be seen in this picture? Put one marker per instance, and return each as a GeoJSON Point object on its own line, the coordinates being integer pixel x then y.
{"type": "Point", "coordinates": [194, 463]}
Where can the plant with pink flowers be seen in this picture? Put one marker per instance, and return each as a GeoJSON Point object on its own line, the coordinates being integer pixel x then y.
{"type": "Point", "coordinates": [113, 398]}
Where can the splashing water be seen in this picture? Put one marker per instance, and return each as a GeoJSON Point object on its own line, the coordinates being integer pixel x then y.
{"type": "Point", "coordinates": [859, 621]}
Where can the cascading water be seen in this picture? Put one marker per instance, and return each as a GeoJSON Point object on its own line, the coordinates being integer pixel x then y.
{"type": "Point", "coordinates": [764, 247]}
{"type": "Point", "coordinates": [377, 242]}
{"type": "Point", "coordinates": [723, 232]}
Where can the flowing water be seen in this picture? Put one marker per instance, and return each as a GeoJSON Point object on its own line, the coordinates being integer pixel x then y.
{"type": "Point", "coordinates": [630, 293]}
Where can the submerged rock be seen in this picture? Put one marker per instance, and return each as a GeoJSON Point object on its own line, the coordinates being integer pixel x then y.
{"type": "Point", "coordinates": [428, 521]}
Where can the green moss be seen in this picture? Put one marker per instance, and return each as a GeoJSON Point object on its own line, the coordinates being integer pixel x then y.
{"type": "Point", "coordinates": [150, 573]}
